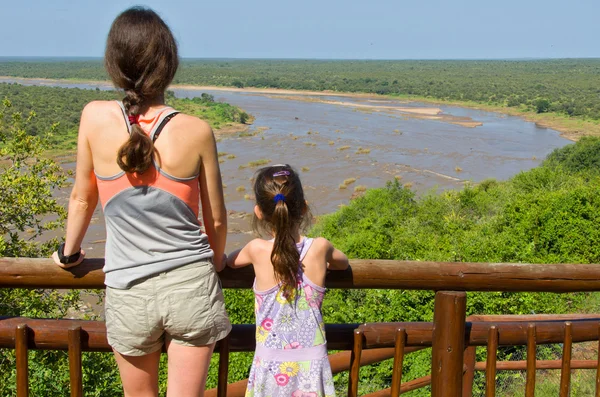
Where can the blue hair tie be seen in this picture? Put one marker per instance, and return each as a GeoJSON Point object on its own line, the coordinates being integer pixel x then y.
{"type": "Point", "coordinates": [279, 197]}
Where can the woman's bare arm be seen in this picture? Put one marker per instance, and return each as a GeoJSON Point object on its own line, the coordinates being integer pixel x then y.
{"type": "Point", "coordinates": [84, 196]}
{"type": "Point", "coordinates": [214, 213]}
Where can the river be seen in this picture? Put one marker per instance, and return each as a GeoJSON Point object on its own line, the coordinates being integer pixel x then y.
{"type": "Point", "coordinates": [330, 139]}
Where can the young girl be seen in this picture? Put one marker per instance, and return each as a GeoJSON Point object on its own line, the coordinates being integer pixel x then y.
{"type": "Point", "coordinates": [291, 350]}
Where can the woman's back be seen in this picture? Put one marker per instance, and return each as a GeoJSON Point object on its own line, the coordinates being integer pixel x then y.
{"type": "Point", "coordinates": [151, 217]}
{"type": "Point", "coordinates": [182, 142]}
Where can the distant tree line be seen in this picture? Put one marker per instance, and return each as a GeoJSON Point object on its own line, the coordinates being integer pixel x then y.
{"type": "Point", "coordinates": [569, 87]}
{"type": "Point", "coordinates": [63, 106]}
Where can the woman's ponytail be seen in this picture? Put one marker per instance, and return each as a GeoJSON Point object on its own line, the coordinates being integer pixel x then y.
{"type": "Point", "coordinates": [141, 58]}
{"type": "Point", "coordinates": [137, 153]}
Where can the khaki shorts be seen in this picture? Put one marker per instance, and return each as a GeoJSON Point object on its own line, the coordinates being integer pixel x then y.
{"type": "Point", "coordinates": [184, 305]}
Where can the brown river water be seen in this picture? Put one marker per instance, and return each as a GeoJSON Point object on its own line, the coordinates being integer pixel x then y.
{"type": "Point", "coordinates": [329, 139]}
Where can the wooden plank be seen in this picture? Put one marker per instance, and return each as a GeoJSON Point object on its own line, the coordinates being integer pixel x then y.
{"type": "Point", "coordinates": [21, 351]}
{"type": "Point", "coordinates": [49, 334]}
{"type": "Point", "coordinates": [398, 362]}
{"type": "Point", "coordinates": [545, 364]}
{"type": "Point", "coordinates": [492, 355]}
{"type": "Point", "coordinates": [75, 372]}
{"type": "Point", "coordinates": [448, 343]}
{"type": "Point", "coordinates": [355, 363]}
{"type": "Point", "coordinates": [406, 387]}
{"type": "Point", "coordinates": [42, 273]}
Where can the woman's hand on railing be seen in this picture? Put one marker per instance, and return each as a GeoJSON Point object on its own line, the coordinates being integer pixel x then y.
{"type": "Point", "coordinates": [221, 265]}
{"type": "Point", "coordinates": [68, 265]}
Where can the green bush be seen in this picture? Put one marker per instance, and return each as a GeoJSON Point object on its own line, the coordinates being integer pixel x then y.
{"type": "Point", "coordinates": [584, 156]}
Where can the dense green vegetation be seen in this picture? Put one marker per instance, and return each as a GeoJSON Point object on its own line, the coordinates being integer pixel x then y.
{"type": "Point", "coordinates": [62, 106]}
{"type": "Point", "coordinates": [564, 86]}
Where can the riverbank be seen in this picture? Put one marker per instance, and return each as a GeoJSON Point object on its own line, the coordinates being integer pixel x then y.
{"type": "Point", "coordinates": [571, 128]}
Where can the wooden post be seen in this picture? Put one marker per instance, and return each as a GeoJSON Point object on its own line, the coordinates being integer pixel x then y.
{"type": "Point", "coordinates": [598, 367]}
{"type": "Point", "coordinates": [398, 362]}
{"type": "Point", "coordinates": [490, 367]}
{"type": "Point", "coordinates": [355, 363]}
{"type": "Point", "coordinates": [565, 373]}
{"type": "Point", "coordinates": [448, 343]}
{"type": "Point", "coordinates": [75, 370]}
{"type": "Point", "coordinates": [531, 360]}
{"type": "Point", "coordinates": [469, 374]}
{"type": "Point", "coordinates": [223, 367]}
{"type": "Point", "coordinates": [21, 350]}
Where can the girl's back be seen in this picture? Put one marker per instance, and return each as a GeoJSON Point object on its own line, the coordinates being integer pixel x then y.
{"type": "Point", "coordinates": [291, 321]}
{"type": "Point", "coordinates": [291, 349]}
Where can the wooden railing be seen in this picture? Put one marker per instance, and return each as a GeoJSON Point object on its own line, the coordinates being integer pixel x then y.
{"type": "Point", "coordinates": [450, 335]}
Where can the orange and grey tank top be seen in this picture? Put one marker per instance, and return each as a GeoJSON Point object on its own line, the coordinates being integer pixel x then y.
{"type": "Point", "coordinates": [151, 218]}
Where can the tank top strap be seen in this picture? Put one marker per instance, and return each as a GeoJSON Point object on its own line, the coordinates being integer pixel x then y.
{"type": "Point", "coordinates": [125, 116]}
{"type": "Point", "coordinates": [165, 117]}
{"type": "Point", "coordinates": [166, 114]}
{"type": "Point", "coordinates": [305, 247]}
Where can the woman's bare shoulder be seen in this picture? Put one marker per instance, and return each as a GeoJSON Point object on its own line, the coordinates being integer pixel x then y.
{"type": "Point", "coordinates": [97, 112]}
{"type": "Point", "coordinates": [193, 125]}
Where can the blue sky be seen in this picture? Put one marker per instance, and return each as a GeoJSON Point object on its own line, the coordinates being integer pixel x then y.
{"type": "Point", "coordinates": [356, 29]}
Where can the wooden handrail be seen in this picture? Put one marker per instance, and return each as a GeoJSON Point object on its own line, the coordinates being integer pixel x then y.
{"type": "Point", "coordinates": [449, 277]}
{"type": "Point", "coordinates": [50, 334]}
{"type": "Point", "coordinates": [454, 276]}
{"type": "Point", "coordinates": [511, 333]}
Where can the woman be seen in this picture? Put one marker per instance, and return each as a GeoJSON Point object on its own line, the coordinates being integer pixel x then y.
{"type": "Point", "coordinates": [150, 166]}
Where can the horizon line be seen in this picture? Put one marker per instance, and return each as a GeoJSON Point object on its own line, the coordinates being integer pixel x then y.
{"type": "Point", "coordinates": [25, 57]}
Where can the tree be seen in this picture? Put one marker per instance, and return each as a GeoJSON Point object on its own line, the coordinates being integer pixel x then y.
{"type": "Point", "coordinates": [542, 105]}
{"type": "Point", "coordinates": [27, 181]}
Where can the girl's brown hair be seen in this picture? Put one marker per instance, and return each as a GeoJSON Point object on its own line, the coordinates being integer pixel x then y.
{"type": "Point", "coordinates": [280, 198]}
{"type": "Point", "coordinates": [141, 58]}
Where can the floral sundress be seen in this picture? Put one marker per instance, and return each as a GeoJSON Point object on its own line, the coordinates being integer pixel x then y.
{"type": "Point", "coordinates": [291, 350]}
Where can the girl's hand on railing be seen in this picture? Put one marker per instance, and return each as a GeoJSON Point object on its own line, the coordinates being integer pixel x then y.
{"type": "Point", "coordinates": [66, 266]}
